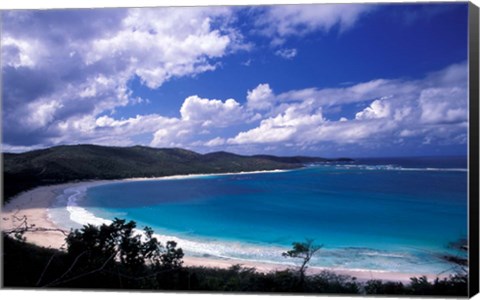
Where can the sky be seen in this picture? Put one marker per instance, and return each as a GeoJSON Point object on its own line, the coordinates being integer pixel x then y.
{"type": "Point", "coordinates": [357, 80]}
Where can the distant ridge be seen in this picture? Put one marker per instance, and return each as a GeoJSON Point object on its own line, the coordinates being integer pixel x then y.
{"type": "Point", "coordinates": [89, 162]}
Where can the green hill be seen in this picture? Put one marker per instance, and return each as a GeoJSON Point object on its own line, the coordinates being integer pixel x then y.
{"type": "Point", "coordinates": [86, 162]}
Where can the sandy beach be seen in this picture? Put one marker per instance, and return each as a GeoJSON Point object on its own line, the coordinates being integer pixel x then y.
{"type": "Point", "coordinates": [31, 208]}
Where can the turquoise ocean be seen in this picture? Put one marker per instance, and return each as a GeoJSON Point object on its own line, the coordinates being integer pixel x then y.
{"type": "Point", "coordinates": [391, 214]}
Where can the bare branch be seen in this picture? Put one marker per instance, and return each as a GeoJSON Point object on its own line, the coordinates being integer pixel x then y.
{"type": "Point", "coordinates": [38, 229]}
{"type": "Point", "coordinates": [25, 227]}
{"type": "Point", "coordinates": [57, 282]}
{"type": "Point", "coordinates": [45, 269]}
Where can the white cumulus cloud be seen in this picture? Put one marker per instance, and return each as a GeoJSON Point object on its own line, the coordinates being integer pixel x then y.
{"type": "Point", "coordinates": [281, 127]}
{"type": "Point", "coordinates": [378, 109]}
{"type": "Point", "coordinates": [261, 97]}
{"type": "Point", "coordinates": [212, 112]}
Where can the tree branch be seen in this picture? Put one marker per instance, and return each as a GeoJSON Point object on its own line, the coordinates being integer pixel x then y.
{"type": "Point", "coordinates": [25, 227]}
{"type": "Point", "coordinates": [45, 269]}
{"type": "Point", "coordinates": [57, 282]}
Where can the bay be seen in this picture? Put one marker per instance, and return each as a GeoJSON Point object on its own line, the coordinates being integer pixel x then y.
{"type": "Point", "coordinates": [379, 214]}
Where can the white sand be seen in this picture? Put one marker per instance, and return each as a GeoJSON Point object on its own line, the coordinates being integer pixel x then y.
{"type": "Point", "coordinates": [33, 205]}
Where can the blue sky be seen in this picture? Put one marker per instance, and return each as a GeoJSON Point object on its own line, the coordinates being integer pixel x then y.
{"type": "Point", "coordinates": [326, 80]}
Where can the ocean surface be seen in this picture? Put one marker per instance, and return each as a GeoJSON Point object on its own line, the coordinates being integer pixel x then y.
{"type": "Point", "coordinates": [391, 214]}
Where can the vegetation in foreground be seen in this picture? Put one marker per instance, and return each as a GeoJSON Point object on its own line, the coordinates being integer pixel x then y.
{"type": "Point", "coordinates": [117, 256]}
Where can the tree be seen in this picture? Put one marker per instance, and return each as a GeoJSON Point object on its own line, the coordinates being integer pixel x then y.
{"type": "Point", "coordinates": [172, 258]}
{"type": "Point", "coordinates": [456, 284]}
{"type": "Point", "coordinates": [118, 248]}
{"type": "Point", "coordinates": [460, 260]}
{"type": "Point", "coordinates": [305, 251]}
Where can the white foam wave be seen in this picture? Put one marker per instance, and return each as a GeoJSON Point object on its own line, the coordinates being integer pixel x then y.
{"type": "Point", "coordinates": [227, 250]}
{"type": "Point", "coordinates": [380, 254]}
{"type": "Point", "coordinates": [78, 214]}
{"type": "Point", "coordinates": [349, 258]}
{"type": "Point", "coordinates": [397, 168]}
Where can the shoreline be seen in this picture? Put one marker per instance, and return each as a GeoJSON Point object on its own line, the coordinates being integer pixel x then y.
{"type": "Point", "coordinates": [34, 205]}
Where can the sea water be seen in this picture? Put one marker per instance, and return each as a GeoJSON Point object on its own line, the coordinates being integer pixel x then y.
{"type": "Point", "coordinates": [373, 214]}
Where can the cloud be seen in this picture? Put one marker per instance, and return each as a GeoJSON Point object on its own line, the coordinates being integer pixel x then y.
{"type": "Point", "coordinates": [212, 112]}
{"type": "Point", "coordinates": [281, 127]}
{"type": "Point", "coordinates": [352, 132]}
{"type": "Point", "coordinates": [41, 112]}
{"type": "Point", "coordinates": [195, 113]}
{"type": "Point", "coordinates": [378, 109]}
{"type": "Point", "coordinates": [440, 105]}
{"type": "Point", "coordinates": [18, 53]}
{"type": "Point", "coordinates": [433, 108]}
{"type": "Point", "coordinates": [79, 62]}
{"type": "Point", "coordinates": [172, 135]}
{"type": "Point", "coordinates": [218, 141]}
{"type": "Point", "coordinates": [359, 92]}
{"type": "Point", "coordinates": [265, 133]}
{"type": "Point", "coordinates": [182, 40]}
{"type": "Point", "coordinates": [282, 21]}
{"type": "Point", "coordinates": [286, 53]}
{"type": "Point", "coordinates": [260, 98]}
{"type": "Point", "coordinates": [105, 130]}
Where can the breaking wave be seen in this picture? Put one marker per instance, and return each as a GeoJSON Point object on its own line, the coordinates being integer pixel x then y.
{"type": "Point", "coordinates": [394, 168]}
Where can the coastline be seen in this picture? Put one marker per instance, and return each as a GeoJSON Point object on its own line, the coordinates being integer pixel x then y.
{"type": "Point", "coordinates": [34, 205]}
